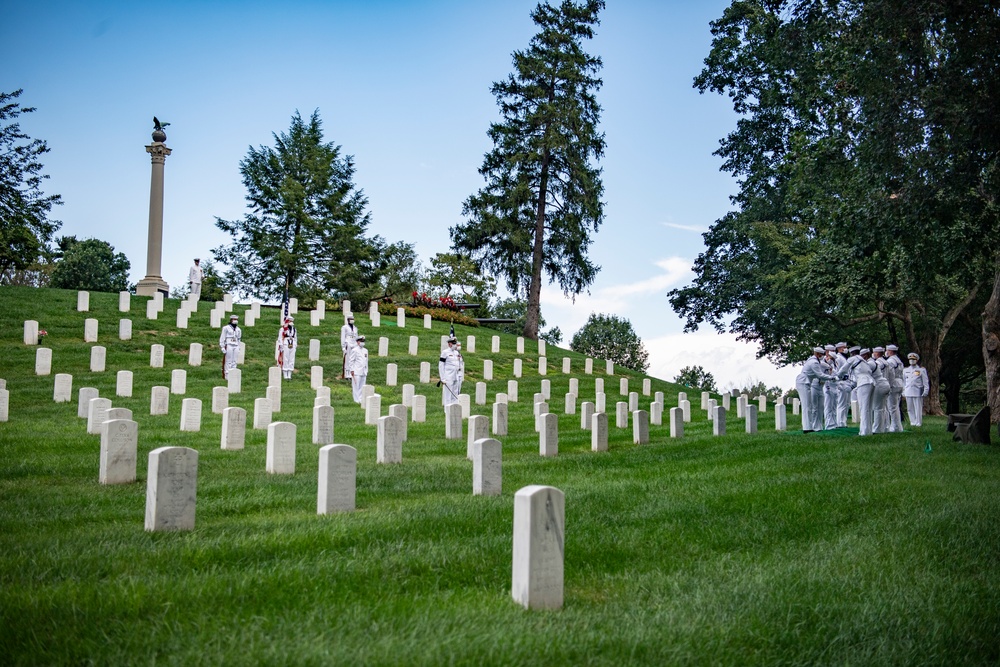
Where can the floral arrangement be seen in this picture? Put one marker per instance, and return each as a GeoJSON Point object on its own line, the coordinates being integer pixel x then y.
{"type": "Point", "coordinates": [42, 333]}
{"type": "Point", "coordinates": [422, 299]}
{"type": "Point", "coordinates": [440, 314]}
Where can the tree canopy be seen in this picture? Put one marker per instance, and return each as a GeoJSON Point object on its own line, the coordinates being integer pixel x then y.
{"type": "Point", "coordinates": [542, 197]}
{"type": "Point", "coordinates": [307, 221]}
{"type": "Point", "coordinates": [697, 378]}
{"type": "Point", "coordinates": [25, 228]}
{"type": "Point", "coordinates": [90, 264]}
{"type": "Point", "coordinates": [611, 338]}
{"type": "Point", "coordinates": [867, 167]}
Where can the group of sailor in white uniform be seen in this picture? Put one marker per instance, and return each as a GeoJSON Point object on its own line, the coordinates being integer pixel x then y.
{"type": "Point", "coordinates": [835, 376]}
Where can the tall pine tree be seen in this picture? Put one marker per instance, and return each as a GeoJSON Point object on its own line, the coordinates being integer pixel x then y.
{"type": "Point", "coordinates": [542, 197]}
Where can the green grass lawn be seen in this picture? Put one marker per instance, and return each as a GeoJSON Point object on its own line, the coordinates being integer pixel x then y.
{"type": "Point", "coordinates": [774, 548]}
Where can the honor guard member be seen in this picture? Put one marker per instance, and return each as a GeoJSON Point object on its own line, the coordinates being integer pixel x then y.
{"type": "Point", "coordinates": [284, 349]}
{"type": "Point", "coordinates": [229, 343]}
{"type": "Point", "coordinates": [451, 368]}
{"type": "Point", "coordinates": [915, 387]}
{"type": "Point", "coordinates": [357, 367]}
{"type": "Point", "coordinates": [894, 366]}
{"type": "Point", "coordinates": [880, 395]}
{"type": "Point", "coordinates": [831, 389]}
{"type": "Point", "coordinates": [348, 334]}
{"type": "Point", "coordinates": [858, 370]}
{"type": "Point", "coordinates": [195, 275]}
{"type": "Point", "coordinates": [803, 383]}
{"type": "Point", "coordinates": [844, 387]}
{"type": "Point", "coordinates": [853, 352]}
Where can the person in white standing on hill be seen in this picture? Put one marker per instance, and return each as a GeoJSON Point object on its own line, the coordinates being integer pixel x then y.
{"type": "Point", "coordinates": [451, 368]}
{"type": "Point", "coordinates": [831, 390]}
{"type": "Point", "coordinates": [348, 335]}
{"type": "Point", "coordinates": [915, 387]}
{"type": "Point", "coordinates": [895, 377]}
{"type": "Point", "coordinates": [880, 395]}
{"type": "Point", "coordinates": [195, 276]}
{"type": "Point", "coordinates": [284, 349]}
{"type": "Point", "coordinates": [229, 343]}
{"type": "Point", "coordinates": [357, 367]}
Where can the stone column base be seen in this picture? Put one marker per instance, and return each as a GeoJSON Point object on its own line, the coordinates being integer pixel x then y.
{"type": "Point", "coordinates": [150, 285]}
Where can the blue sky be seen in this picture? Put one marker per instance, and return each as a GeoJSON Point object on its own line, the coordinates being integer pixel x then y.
{"type": "Point", "coordinates": [403, 86]}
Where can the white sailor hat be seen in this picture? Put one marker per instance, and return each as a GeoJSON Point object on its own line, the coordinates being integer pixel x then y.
{"type": "Point", "coordinates": [360, 337]}
{"type": "Point", "coordinates": [233, 317]}
{"type": "Point", "coordinates": [819, 349]}
{"type": "Point", "coordinates": [891, 347]}
{"type": "Point", "coordinates": [840, 345]}
{"type": "Point", "coordinates": [913, 355]}
{"type": "Point", "coordinates": [864, 351]}
{"type": "Point", "coordinates": [878, 349]}
{"type": "Point", "coordinates": [350, 316]}
{"type": "Point", "coordinates": [829, 348]}
{"type": "Point", "coordinates": [856, 348]}
{"type": "Point", "coordinates": [452, 339]}
{"type": "Point", "coordinates": [289, 318]}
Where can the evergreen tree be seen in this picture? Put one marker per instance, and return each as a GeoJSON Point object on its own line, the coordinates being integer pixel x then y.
{"type": "Point", "coordinates": [543, 193]}
{"type": "Point", "coordinates": [306, 225]}
{"type": "Point", "coordinates": [25, 228]}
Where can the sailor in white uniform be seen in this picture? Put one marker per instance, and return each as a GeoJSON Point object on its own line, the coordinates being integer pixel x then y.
{"type": "Point", "coordinates": [451, 369]}
{"type": "Point", "coordinates": [915, 387]}
{"type": "Point", "coordinates": [895, 378]}
{"type": "Point", "coordinates": [357, 367]}
{"type": "Point", "coordinates": [229, 343]}
{"type": "Point", "coordinates": [858, 370]}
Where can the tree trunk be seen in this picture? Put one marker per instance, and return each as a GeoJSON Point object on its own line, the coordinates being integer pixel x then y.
{"type": "Point", "coordinates": [537, 255]}
{"type": "Point", "coordinates": [991, 349]}
{"type": "Point", "coordinates": [930, 359]}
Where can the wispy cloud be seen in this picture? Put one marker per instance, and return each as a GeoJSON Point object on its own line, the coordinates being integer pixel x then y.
{"type": "Point", "coordinates": [686, 228]}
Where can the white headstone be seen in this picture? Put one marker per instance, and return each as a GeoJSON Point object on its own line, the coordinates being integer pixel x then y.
{"type": "Point", "coordinates": [425, 372]}
{"type": "Point", "coordinates": [633, 401]}
{"type": "Point", "coordinates": [408, 395]}
{"type": "Point", "coordinates": [726, 400]}
{"type": "Point", "coordinates": [647, 386]}
{"type": "Point", "coordinates": [762, 403]}
{"type": "Point", "coordinates": [315, 318]}
{"type": "Point", "coordinates": [43, 361]}
{"type": "Point", "coordinates": [191, 414]}
{"type": "Point", "coordinates": [712, 404]}
{"type": "Point", "coordinates": [90, 330]}
{"type": "Point", "coordinates": [82, 301]}
{"type": "Point", "coordinates": [194, 354]}
{"type": "Point", "coordinates": [855, 411]}
{"type": "Point", "coordinates": [658, 397]}
{"type": "Point", "coordinates": [273, 394]}
{"type": "Point", "coordinates": [124, 329]}
{"type": "Point", "coordinates": [373, 409]}
{"type": "Point", "coordinates": [704, 400]}
{"type": "Point", "coordinates": [83, 401]}
{"type": "Point", "coordinates": [322, 425]}
{"type": "Point", "coordinates": [338, 474]}
{"type": "Point", "coordinates": [479, 428]}
{"type": "Point", "coordinates": [566, 363]}
{"type": "Point", "coordinates": [227, 299]}
{"type": "Point", "coordinates": [537, 398]}
{"type": "Point", "coordinates": [599, 432]}
{"type": "Point", "coordinates": [400, 411]}
{"type": "Point", "coordinates": [574, 386]}
{"type": "Point", "coordinates": [621, 414]}
{"type": "Point", "coordinates": [314, 349]}
{"type": "Point", "coordinates": [599, 387]}
{"type": "Point", "coordinates": [718, 420]}
{"type": "Point", "coordinates": [280, 448]}
{"type": "Point", "coordinates": [97, 414]}
{"type": "Point", "coordinates": [241, 353]}
{"type": "Point", "coordinates": [512, 391]}
{"type": "Point", "coordinates": [391, 372]}
{"type": "Point", "coordinates": [376, 319]}
{"type": "Point", "coordinates": [640, 427]}
{"type": "Point", "coordinates": [517, 368]}
{"type": "Point", "coordinates": [795, 406]}
{"type": "Point", "coordinates": [389, 441]}
{"type": "Point", "coordinates": [220, 399]}
{"type": "Point", "coordinates": [156, 356]}
{"type": "Point", "coordinates": [487, 369]}
{"type": "Point", "coordinates": [234, 427]}
{"type": "Point", "coordinates": [495, 347]}
{"type": "Point", "coordinates": [586, 412]}
{"type": "Point", "coordinates": [123, 384]}
{"type": "Point", "coordinates": [178, 381]}
{"type": "Point", "coordinates": [470, 344]}
{"type": "Point", "coordinates": [453, 422]}
{"type": "Point", "coordinates": [601, 402]}
{"type": "Point", "coordinates": [656, 413]}
{"type": "Point", "coordinates": [215, 319]}
{"type": "Point", "coordinates": [623, 387]}
{"type": "Point", "coordinates": [741, 406]}
{"type": "Point", "coordinates": [480, 393]}
{"type": "Point", "coordinates": [588, 366]}
{"type": "Point", "coordinates": [427, 321]}
{"type": "Point", "coordinates": [152, 312]}
{"type": "Point", "coordinates": [685, 407]}
{"type": "Point", "coordinates": [62, 391]}
{"type": "Point", "coordinates": [543, 366]}
{"type": "Point", "coordinates": [315, 377]}
{"type": "Point", "coordinates": [249, 319]}
{"type": "Point", "coordinates": [541, 347]}
{"type": "Point", "coordinates": [400, 317]}
{"type": "Point", "coordinates": [118, 451]}
{"type": "Point", "coordinates": [520, 345]}
{"type": "Point", "coordinates": [500, 419]}
{"type": "Point", "coordinates": [609, 367]}
{"type": "Point", "coordinates": [159, 401]}
{"type": "Point", "coordinates": [676, 423]}
{"type": "Point", "coordinates": [235, 381]}
{"type": "Point", "coordinates": [262, 413]}
{"type": "Point", "coordinates": [383, 346]}
{"type": "Point", "coordinates": [293, 306]}
{"type": "Point", "coordinates": [30, 332]}
{"type": "Point", "coordinates": [751, 419]}
{"type": "Point", "coordinates": [273, 376]}
{"type": "Point", "coordinates": [539, 538]}
{"type": "Point", "coordinates": [419, 408]}
{"type": "Point", "coordinates": [570, 404]}
{"type": "Point", "coordinates": [124, 302]}
{"type": "Point", "coordinates": [548, 434]}
{"type": "Point", "coordinates": [182, 319]}
{"type": "Point", "coordinates": [466, 402]}
{"type": "Point", "coordinates": [487, 456]}
{"type": "Point", "coordinates": [780, 417]}
{"type": "Point", "coordinates": [171, 489]}
{"type": "Point", "coordinates": [500, 398]}
{"type": "Point", "coordinates": [414, 344]}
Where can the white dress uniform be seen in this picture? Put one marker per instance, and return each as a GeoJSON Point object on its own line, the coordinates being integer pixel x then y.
{"type": "Point", "coordinates": [451, 369]}
{"type": "Point", "coordinates": [811, 397]}
{"type": "Point", "coordinates": [357, 367]}
{"type": "Point", "coordinates": [880, 396]}
{"type": "Point", "coordinates": [895, 378]}
{"type": "Point", "coordinates": [915, 386]}
{"type": "Point", "coordinates": [845, 387]}
{"type": "Point", "coordinates": [229, 343]}
{"type": "Point", "coordinates": [831, 390]}
{"type": "Point", "coordinates": [859, 370]}
{"type": "Point", "coordinates": [348, 335]}
{"type": "Point", "coordinates": [284, 348]}
{"type": "Point", "coordinates": [195, 275]}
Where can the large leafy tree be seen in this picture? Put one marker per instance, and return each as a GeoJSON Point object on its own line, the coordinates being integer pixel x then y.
{"type": "Point", "coordinates": [25, 227]}
{"type": "Point", "coordinates": [305, 230]}
{"type": "Point", "coordinates": [542, 197]}
{"type": "Point", "coordinates": [90, 264]}
{"type": "Point", "coordinates": [867, 169]}
{"type": "Point", "coordinates": [611, 338]}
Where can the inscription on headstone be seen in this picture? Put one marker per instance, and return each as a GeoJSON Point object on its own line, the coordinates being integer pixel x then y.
{"type": "Point", "coordinates": [194, 354]}
{"type": "Point", "coordinates": [280, 447]}
{"type": "Point", "coordinates": [419, 408]}
{"type": "Point", "coordinates": [262, 414]}
{"type": "Point", "coordinates": [599, 432]}
{"type": "Point", "coordinates": [43, 361]}
{"type": "Point", "coordinates": [487, 467]}
{"type": "Point", "coordinates": [453, 422]}
{"type": "Point", "coordinates": [83, 401]}
{"type": "Point", "coordinates": [97, 414]}
{"type": "Point", "coordinates": [118, 451]}
{"type": "Point", "coordinates": [98, 358]}
{"type": "Point", "coordinates": [124, 329]}
{"type": "Point", "coordinates": [389, 441]}
{"type": "Point", "coordinates": [123, 384]}
{"type": "Point", "coordinates": [499, 419]}
{"type": "Point", "coordinates": [178, 381]}
{"type": "Point", "coordinates": [171, 489]}
{"type": "Point", "coordinates": [62, 391]}
{"type": "Point", "coordinates": [156, 356]}
{"type": "Point", "coordinates": [159, 401]}
{"type": "Point", "coordinates": [539, 529]}
{"type": "Point", "coordinates": [191, 414]}
{"type": "Point", "coordinates": [220, 399]}
{"type": "Point", "coordinates": [234, 428]}
{"type": "Point", "coordinates": [338, 466]}
{"type": "Point", "coordinates": [548, 434]}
